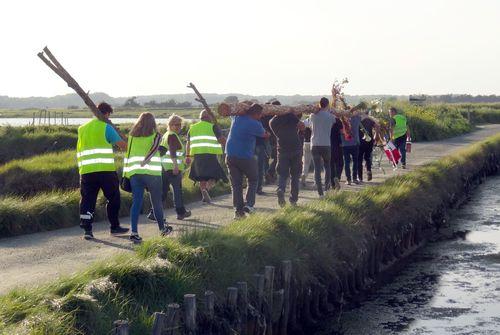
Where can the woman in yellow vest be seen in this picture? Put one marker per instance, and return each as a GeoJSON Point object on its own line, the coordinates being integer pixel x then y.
{"type": "Point", "coordinates": [144, 172]}
{"type": "Point", "coordinates": [173, 160]}
{"type": "Point", "coordinates": [399, 133]}
{"type": "Point", "coordinates": [204, 144]}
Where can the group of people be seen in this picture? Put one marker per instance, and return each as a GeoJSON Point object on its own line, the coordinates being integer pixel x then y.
{"type": "Point", "coordinates": [261, 149]}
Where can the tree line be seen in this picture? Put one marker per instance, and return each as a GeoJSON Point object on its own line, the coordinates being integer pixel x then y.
{"type": "Point", "coordinates": [171, 103]}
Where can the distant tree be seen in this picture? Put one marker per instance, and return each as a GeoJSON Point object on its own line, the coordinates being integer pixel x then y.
{"type": "Point", "coordinates": [230, 99]}
{"type": "Point", "coordinates": [130, 102]}
{"type": "Point", "coordinates": [151, 104]}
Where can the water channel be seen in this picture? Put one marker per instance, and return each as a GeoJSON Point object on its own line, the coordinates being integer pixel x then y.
{"type": "Point", "coordinates": [451, 286]}
{"type": "Point", "coordinates": [18, 122]}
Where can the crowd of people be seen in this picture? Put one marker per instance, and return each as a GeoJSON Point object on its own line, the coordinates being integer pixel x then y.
{"type": "Point", "coordinates": [261, 149]}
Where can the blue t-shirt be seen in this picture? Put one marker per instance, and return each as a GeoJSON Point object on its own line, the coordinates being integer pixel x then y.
{"type": "Point", "coordinates": [355, 121]}
{"type": "Point", "coordinates": [241, 140]}
{"type": "Point", "coordinates": [112, 135]}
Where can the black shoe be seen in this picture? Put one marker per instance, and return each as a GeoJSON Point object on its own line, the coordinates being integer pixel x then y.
{"type": "Point", "coordinates": [369, 173]}
{"type": "Point", "coordinates": [118, 230]}
{"type": "Point", "coordinates": [187, 213]}
{"type": "Point", "coordinates": [135, 238]}
{"type": "Point", "coordinates": [166, 231]}
{"type": "Point", "coordinates": [88, 235]}
{"type": "Point", "coordinates": [151, 216]}
{"type": "Point", "coordinates": [403, 166]}
{"type": "Point", "coordinates": [238, 215]}
{"type": "Point", "coordinates": [357, 181]}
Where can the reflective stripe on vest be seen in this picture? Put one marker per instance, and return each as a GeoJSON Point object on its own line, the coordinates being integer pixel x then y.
{"type": "Point", "coordinates": [400, 126]}
{"type": "Point", "coordinates": [203, 140]}
{"type": "Point", "coordinates": [167, 161]}
{"type": "Point", "coordinates": [138, 148]}
{"type": "Point", "coordinates": [93, 152]}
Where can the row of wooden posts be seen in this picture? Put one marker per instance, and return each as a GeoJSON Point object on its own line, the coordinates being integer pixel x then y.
{"type": "Point", "coordinates": [46, 117]}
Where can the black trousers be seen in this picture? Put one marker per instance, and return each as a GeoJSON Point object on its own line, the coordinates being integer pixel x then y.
{"type": "Point", "coordinates": [337, 162]}
{"type": "Point", "coordinates": [90, 184]}
{"type": "Point", "coordinates": [289, 165]}
{"type": "Point", "coordinates": [365, 152]}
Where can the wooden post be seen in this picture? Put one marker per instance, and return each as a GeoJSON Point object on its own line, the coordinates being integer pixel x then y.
{"type": "Point", "coordinates": [120, 327]}
{"type": "Point", "coordinates": [243, 305]}
{"type": "Point", "coordinates": [277, 312]}
{"type": "Point", "coordinates": [40, 117]}
{"type": "Point", "coordinates": [49, 117]}
{"type": "Point", "coordinates": [315, 301]}
{"type": "Point", "coordinates": [286, 273]}
{"type": "Point", "coordinates": [173, 317]}
{"type": "Point", "coordinates": [259, 291]}
{"type": "Point", "coordinates": [232, 303]}
{"type": "Point", "coordinates": [307, 306]}
{"type": "Point", "coordinates": [269, 290]}
{"type": "Point", "coordinates": [210, 304]}
{"type": "Point", "coordinates": [190, 313]}
{"type": "Point", "coordinates": [159, 323]}
{"type": "Point", "coordinates": [34, 116]}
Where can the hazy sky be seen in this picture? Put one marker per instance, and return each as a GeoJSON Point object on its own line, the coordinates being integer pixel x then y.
{"type": "Point", "coordinates": [256, 47]}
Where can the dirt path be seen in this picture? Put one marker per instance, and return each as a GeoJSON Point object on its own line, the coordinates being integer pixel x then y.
{"type": "Point", "coordinates": [38, 258]}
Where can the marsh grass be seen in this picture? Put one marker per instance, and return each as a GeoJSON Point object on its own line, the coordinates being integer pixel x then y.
{"type": "Point", "coordinates": [321, 238]}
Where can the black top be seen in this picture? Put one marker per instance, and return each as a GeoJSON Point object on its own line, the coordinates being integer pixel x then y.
{"type": "Point", "coordinates": [335, 139]}
{"type": "Point", "coordinates": [284, 128]}
{"type": "Point", "coordinates": [368, 124]}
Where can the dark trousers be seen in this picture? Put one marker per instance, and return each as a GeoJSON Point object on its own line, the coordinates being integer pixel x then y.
{"type": "Point", "coordinates": [337, 162]}
{"type": "Point", "coordinates": [365, 153]}
{"type": "Point", "coordinates": [238, 169]}
{"type": "Point", "coordinates": [170, 179]}
{"type": "Point", "coordinates": [289, 165]}
{"type": "Point", "coordinates": [351, 153]}
{"type": "Point", "coordinates": [400, 143]}
{"type": "Point", "coordinates": [322, 158]}
{"type": "Point", "coordinates": [90, 184]}
{"type": "Point", "coordinates": [274, 157]}
{"type": "Point", "coordinates": [262, 157]}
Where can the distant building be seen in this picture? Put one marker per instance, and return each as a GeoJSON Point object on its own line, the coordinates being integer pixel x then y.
{"type": "Point", "coordinates": [417, 99]}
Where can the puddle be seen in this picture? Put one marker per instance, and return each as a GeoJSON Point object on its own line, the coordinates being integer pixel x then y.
{"type": "Point", "coordinates": [450, 287]}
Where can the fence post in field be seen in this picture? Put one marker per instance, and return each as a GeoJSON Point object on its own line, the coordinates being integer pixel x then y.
{"type": "Point", "coordinates": [286, 273]}
{"type": "Point", "coordinates": [40, 117]}
{"type": "Point", "coordinates": [34, 116]}
{"type": "Point", "coordinates": [120, 327]}
{"type": "Point", "coordinates": [48, 118]}
{"type": "Point", "coordinates": [232, 303]}
{"type": "Point", "coordinates": [173, 316]}
{"type": "Point", "coordinates": [243, 305]}
{"type": "Point", "coordinates": [258, 291]}
{"type": "Point", "coordinates": [210, 304]}
{"type": "Point", "coordinates": [159, 323]}
{"type": "Point", "coordinates": [190, 313]}
{"type": "Point", "coordinates": [269, 290]}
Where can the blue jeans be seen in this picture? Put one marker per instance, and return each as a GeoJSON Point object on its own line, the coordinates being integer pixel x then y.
{"type": "Point", "coordinates": [139, 182]}
{"type": "Point", "coordinates": [400, 143]}
{"type": "Point", "coordinates": [351, 152]}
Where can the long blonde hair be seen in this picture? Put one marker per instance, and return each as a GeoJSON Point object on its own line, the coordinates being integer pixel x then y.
{"type": "Point", "coordinates": [172, 119]}
{"type": "Point", "coordinates": [144, 126]}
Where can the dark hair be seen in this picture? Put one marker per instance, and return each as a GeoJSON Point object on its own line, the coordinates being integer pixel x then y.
{"type": "Point", "coordinates": [105, 108]}
{"type": "Point", "coordinates": [393, 109]}
{"type": "Point", "coordinates": [324, 102]}
{"type": "Point", "coordinates": [254, 109]}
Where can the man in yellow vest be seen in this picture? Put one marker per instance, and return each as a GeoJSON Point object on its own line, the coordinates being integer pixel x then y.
{"type": "Point", "coordinates": [399, 133]}
{"type": "Point", "coordinates": [96, 165]}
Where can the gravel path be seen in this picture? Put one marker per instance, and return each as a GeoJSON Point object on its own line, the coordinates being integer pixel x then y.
{"type": "Point", "coordinates": [38, 258]}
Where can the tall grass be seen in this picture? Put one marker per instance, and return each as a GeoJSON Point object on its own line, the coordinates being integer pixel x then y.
{"type": "Point", "coordinates": [321, 238]}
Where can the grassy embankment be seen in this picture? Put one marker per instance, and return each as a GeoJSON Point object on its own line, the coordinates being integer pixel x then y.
{"type": "Point", "coordinates": [321, 238]}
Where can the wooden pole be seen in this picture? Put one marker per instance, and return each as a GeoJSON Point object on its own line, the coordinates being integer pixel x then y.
{"type": "Point", "coordinates": [34, 116]}
{"type": "Point", "coordinates": [159, 323]}
{"type": "Point", "coordinates": [49, 117]}
{"type": "Point", "coordinates": [120, 327]}
{"type": "Point", "coordinates": [269, 291]}
{"type": "Point", "coordinates": [202, 100]}
{"type": "Point", "coordinates": [173, 317]}
{"type": "Point", "coordinates": [286, 273]}
{"type": "Point", "coordinates": [243, 305]}
{"type": "Point", "coordinates": [190, 313]}
{"type": "Point", "coordinates": [259, 291]}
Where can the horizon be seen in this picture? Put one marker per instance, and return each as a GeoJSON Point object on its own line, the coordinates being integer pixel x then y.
{"type": "Point", "coordinates": [388, 46]}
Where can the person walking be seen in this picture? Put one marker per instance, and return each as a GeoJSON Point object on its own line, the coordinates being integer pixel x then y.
{"type": "Point", "coordinates": [370, 127]}
{"type": "Point", "coordinates": [321, 125]}
{"type": "Point", "coordinates": [96, 166]}
{"type": "Point", "coordinates": [144, 172]}
{"type": "Point", "coordinates": [286, 129]}
{"type": "Point", "coordinates": [240, 159]}
{"type": "Point", "coordinates": [337, 159]}
{"type": "Point", "coordinates": [306, 151]}
{"type": "Point", "coordinates": [273, 146]}
{"type": "Point", "coordinates": [399, 133]}
{"type": "Point", "coordinates": [350, 147]}
{"type": "Point", "coordinates": [204, 144]}
{"type": "Point", "coordinates": [173, 162]}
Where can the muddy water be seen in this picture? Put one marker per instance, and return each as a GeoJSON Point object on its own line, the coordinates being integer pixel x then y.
{"type": "Point", "coordinates": [451, 286]}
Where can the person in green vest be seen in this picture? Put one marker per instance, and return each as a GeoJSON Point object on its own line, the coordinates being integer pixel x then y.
{"type": "Point", "coordinates": [173, 161]}
{"type": "Point", "coordinates": [204, 144]}
{"type": "Point", "coordinates": [144, 172]}
{"type": "Point", "coordinates": [399, 133]}
{"type": "Point", "coordinates": [96, 165]}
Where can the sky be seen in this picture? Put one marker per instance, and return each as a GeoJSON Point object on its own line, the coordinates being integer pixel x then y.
{"type": "Point", "coordinates": [256, 47]}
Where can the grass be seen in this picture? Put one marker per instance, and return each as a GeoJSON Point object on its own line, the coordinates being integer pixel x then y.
{"type": "Point", "coordinates": [321, 237]}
